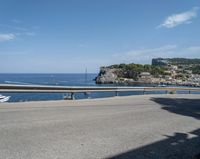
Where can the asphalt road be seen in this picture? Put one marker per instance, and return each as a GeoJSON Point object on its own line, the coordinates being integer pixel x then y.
{"type": "Point", "coordinates": [139, 127]}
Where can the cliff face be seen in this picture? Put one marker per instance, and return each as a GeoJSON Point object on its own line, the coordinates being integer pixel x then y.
{"type": "Point", "coordinates": [125, 74]}
{"type": "Point", "coordinates": [110, 75]}
{"type": "Point", "coordinates": [174, 61]}
{"type": "Point", "coordinates": [106, 76]}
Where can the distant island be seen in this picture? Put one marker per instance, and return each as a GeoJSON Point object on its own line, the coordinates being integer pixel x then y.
{"type": "Point", "coordinates": [162, 71]}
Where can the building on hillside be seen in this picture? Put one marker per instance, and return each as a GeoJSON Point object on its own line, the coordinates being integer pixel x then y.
{"type": "Point", "coordinates": [145, 77]}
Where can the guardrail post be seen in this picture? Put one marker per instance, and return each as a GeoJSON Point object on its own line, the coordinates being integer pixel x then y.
{"type": "Point", "coordinates": [116, 93]}
{"type": "Point", "coordinates": [72, 96]}
{"type": "Point", "coordinates": [189, 92]}
{"type": "Point", "coordinates": [143, 91]}
{"type": "Point", "coordinates": [87, 94]}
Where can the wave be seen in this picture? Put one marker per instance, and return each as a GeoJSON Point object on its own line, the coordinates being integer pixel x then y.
{"type": "Point", "coordinates": [64, 81]}
{"type": "Point", "coordinates": [44, 83]}
{"type": "Point", "coordinates": [15, 82]}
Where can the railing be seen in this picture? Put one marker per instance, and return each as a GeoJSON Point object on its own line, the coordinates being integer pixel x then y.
{"type": "Point", "coordinates": [86, 89]}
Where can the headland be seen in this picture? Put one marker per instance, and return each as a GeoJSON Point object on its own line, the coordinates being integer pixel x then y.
{"type": "Point", "coordinates": [162, 71]}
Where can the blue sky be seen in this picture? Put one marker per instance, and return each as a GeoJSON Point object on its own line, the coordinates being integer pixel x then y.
{"type": "Point", "coordinates": [66, 36]}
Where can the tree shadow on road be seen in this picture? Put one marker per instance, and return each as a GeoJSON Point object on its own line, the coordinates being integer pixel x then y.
{"type": "Point", "coordinates": [178, 146]}
{"type": "Point", "coordinates": [181, 106]}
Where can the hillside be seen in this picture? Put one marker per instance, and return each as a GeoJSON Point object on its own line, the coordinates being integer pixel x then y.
{"type": "Point", "coordinates": [175, 61]}
{"type": "Point", "coordinates": [174, 71]}
{"type": "Point", "coordinates": [115, 73]}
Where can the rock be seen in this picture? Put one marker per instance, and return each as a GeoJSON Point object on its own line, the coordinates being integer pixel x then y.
{"type": "Point", "coordinates": [106, 76]}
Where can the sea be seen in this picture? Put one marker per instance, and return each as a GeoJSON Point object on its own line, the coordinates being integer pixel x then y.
{"type": "Point", "coordinates": [68, 79]}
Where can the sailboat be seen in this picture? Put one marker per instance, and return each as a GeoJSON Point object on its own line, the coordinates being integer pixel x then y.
{"type": "Point", "coordinates": [4, 98]}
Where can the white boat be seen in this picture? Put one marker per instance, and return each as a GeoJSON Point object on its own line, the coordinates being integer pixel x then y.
{"type": "Point", "coordinates": [4, 98]}
{"type": "Point", "coordinates": [162, 85]}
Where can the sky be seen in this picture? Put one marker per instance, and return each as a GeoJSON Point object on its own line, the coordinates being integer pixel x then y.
{"type": "Point", "coordinates": [68, 36]}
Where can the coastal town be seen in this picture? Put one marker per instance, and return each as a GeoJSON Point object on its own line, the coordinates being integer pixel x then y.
{"type": "Point", "coordinates": [162, 71]}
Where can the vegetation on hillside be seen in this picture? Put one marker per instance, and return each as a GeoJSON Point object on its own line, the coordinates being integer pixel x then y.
{"type": "Point", "coordinates": [133, 70]}
{"type": "Point", "coordinates": [183, 61]}
{"type": "Point", "coordinates": [175, 61]}
{"type": "Point", "coordinates": [196, 69]}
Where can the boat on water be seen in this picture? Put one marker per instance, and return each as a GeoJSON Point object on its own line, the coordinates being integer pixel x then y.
{"type": "Point", "coordinates": [4, 98]}
{"type": "Point", "coordinates": [162, 85]}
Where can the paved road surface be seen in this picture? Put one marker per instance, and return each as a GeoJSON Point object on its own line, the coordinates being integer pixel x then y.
{"type": "Point", "coordinates": [139, 127]}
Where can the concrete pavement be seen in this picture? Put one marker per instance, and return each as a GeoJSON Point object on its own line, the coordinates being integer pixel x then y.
{"type": "Point", "coordinates": [148, 126]}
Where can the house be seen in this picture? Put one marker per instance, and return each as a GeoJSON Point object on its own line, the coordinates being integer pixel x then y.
{"type": "Point", "coordinates": [145, 77]}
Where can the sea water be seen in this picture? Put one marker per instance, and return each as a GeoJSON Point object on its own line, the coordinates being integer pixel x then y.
{"type": "Point", "coordinates": [45, 79]}
{"type": "Point", "coordinates": [56, 80]}
{"type": "Point", "coordinates": [51, 79]}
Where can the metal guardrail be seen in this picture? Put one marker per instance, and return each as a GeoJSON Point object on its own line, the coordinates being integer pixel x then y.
{"type": "Point", "coordinates": [86, 89]}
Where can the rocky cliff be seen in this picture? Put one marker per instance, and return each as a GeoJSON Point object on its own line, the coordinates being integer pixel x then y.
{"type": "Point", "coordinates": [106, 76]}
{"type": "Point", "coordinates": [110, 75]}
{"type": "Point", "coordinates": [126, 74]}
